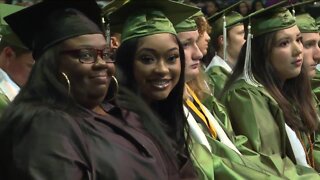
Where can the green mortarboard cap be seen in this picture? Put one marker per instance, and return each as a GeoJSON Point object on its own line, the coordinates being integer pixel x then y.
{"type": "Point", "coordinates": [217, 20]}
{"type": "Point", "coordinates": [6, 33]}
{"type": "Point", "coordinates": [306, 23]}
{"type": "Point", "coordinates": [272, 20]}
{"type": "Point", "coordinates": [269, 19]}
{"type": "Point", "coordinates": [230, 17]}
{"type": "Point", "coordinates": [198, 14]}
{"type": "Point", "coordinates": [189, 24]}
{"type": "Point", "coordinates": [139, 18]}
{"type": "Point", "coordinates": [49, 22]}
{"type": "Point", "coordinates": [113, 6]}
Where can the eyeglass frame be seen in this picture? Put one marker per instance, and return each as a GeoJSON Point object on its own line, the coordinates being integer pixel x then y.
{"type": "Point", "coordinates": [101, 53]}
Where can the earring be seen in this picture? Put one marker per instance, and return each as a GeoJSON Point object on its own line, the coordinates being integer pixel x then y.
{"type": "Point", "coordinates": [114, 90]}
{"type": "Point", "coordinates": [68, 82]}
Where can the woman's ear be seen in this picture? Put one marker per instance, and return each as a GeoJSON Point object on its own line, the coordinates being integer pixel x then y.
{"type": "Point", "coordinates": [220, 40]}
{"type": "Point", "coordinates": [114, 43]}
{"type": "Point", "coordinates": [8, 51]}
{"type": "Point", "coordinates": [8, 54]}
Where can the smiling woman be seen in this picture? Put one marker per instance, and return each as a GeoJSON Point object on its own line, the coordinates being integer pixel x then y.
{"type": "Point", "coordinates": [157, 66]}
{"type": "Point", "coordinates": [152, 62]}
{"type": "Point", "coordinates": [88, 68]}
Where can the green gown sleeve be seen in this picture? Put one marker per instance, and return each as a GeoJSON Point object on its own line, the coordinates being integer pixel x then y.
{"type": "Point", "coordinates": [250, 115]}
{"type": "Point", "coordinates": [316, 145]}
{"type": "Point", "coordinates": [4, 101]}
{"type": "Point", "coordinates": [316, 150]}
{"type": "Point", "coordinates": [219, 112]}
{"type": "Point", "coordinates": [50, 148]}
{"type": "Point", "coordinates": [224, 163]}
{"type": "Point", "coordinates": [255, 114]}
{"type": "Point", "coordinates": [315, 83]}
{"type": "Point", "coordinates": [218, 77]}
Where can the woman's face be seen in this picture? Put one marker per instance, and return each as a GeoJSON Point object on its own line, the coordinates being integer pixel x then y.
{"type": "Point", "coordinates": [235, 41]}
{"type": "Point", "coordinates": [286, 53]}
{"type": "Point", "coordinates": [311, 52]}
{"type": "Point", "coordinates": [211, 8]}
{"type": "Point", "coordinates": [243, 8]}
{"type": "Point", "coordinates": [258, 5]}
{"type": "Point", "coordinates": [192, 53]}
{"type": "Point", "coordinates": [89, 81]}
{"type": "Point", "coordinates": [157, 66]}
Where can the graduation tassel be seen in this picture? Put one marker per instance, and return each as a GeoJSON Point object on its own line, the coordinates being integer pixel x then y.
{"type": "Point", "coordinates": [293, 12]}
{"type": "Point", "coordinates": [0, 34]}
{"type": "Point", "coordinates": [224, 39]}
{"type": "Point", "coordinates": [248, 76]}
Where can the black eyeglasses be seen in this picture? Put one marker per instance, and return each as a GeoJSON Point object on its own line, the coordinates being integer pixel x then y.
{"type": "Point", "coordinates": [90, 55]}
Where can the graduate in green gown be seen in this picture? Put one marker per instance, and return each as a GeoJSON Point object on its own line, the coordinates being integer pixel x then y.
{"type": "Point", "coordinates": [268, 97]}
{"type": "Point", "coordinates": [311, 57]}
{"type": "Point", "coordinates": [227, 42]}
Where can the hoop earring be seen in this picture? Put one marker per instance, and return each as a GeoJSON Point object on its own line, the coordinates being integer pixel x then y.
{"type": "Point", "coordinates": [115, 91]}
{"type": "Point", "coordinates": [68, 82]}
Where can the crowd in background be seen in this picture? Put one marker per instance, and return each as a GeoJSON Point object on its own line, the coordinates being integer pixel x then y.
{"type": "Point", "coordinates": [209, 7]}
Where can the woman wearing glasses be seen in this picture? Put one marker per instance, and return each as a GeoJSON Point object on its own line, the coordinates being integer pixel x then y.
{"type": "Point", "coordinates": [58, 127]}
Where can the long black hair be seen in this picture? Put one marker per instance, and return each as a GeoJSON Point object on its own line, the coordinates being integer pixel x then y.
{"type": "Point", "coordinates": [293, 95]}
{"type": "Point", "coordinates": [170, 110]}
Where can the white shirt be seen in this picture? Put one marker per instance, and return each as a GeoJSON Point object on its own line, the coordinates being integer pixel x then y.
{"type": "Point", "coordinates": [218, 61]}
{"type": "Point", "coordinates": [7, 86]}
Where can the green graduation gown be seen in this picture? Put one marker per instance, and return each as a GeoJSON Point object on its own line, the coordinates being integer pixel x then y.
{"type": "Point", "coordinates": [218, 72]}
{"type": "Point", "coordinates": [4, 101]}
{"type": "Point", "coordinates": [225, 163]}
{"type": "Point", "coordinates": [255, 114]}
{"type": "Point", "coordinates": [315, 138]}
{"type": "Point", "coordinates": [315, 83]}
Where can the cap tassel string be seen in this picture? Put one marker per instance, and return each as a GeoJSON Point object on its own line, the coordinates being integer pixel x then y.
{"type": "Point", "coordinates": [248, 76]}
{"type": "Point", "coordinates": [107, 31]}
{"type": "Point", "coordinates": [224, 38]}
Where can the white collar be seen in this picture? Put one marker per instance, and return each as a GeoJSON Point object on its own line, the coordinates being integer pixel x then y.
{"type": "Point", "coordinates": [218, 61]}
{"type": "Point", "coordinates": [7, 86]}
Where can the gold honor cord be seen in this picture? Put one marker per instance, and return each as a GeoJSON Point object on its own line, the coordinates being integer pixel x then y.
{"type": "Point", "coordinates": [202, 114]}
